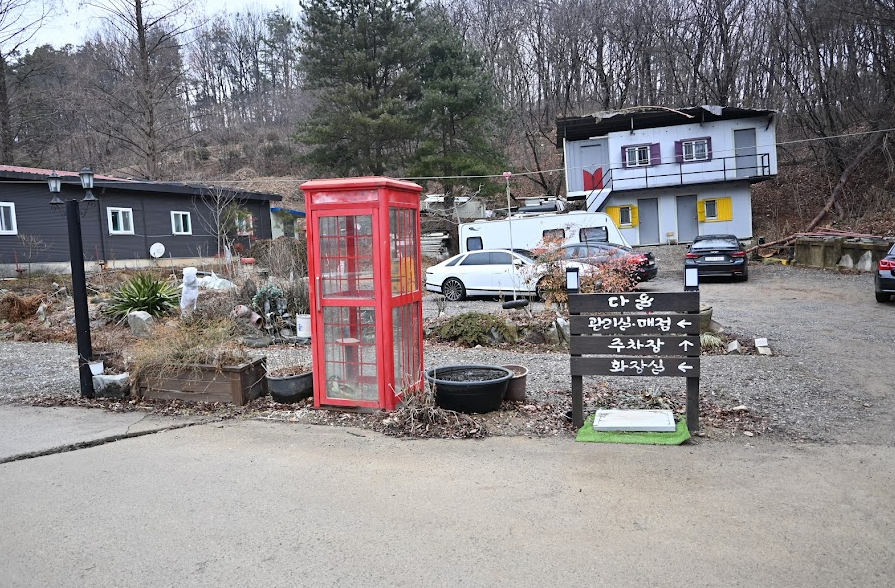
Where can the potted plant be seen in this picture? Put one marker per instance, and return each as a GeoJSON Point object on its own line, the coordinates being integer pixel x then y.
{"type": "Point", "coordinates": [469, 388]}
{"type": "Point", "coordinates": [291, 383]}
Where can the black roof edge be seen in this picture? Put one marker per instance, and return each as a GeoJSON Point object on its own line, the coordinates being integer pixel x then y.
{"type": "Point", "coordinates": [144, 186]}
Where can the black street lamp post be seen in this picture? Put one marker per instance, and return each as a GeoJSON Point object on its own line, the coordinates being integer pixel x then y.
{"type": "Point", "coordinates": [78, 275]}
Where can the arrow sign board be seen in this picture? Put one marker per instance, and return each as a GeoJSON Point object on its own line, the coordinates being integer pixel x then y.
{"type": "Point", "coordinates": [635, 324]}
{"type": "Point", "coordinates": [625, 345]}
{"type": "Point", "coordinates": [686, 367]}
{"type": "Point", "coordinates": [634, 302]}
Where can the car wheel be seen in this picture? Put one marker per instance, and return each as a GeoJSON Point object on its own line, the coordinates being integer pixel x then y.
{"type": "Point", "coordinates": [880, 297]}
{"type": "Point", "coordinates": [453, 289]}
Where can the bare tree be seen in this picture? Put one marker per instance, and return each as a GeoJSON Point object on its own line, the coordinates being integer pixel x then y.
{"type": "Point", "coordinates": [142, 86]}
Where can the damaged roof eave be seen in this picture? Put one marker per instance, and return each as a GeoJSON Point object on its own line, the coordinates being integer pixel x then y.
{"type": "Point", "coordinates": [601, 123]}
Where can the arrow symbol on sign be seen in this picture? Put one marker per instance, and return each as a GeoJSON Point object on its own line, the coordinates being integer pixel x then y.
{"type": "Point", "coordinates": [684, 367]}
{"type": "Point", "coordinates": [685, 344]}
{"type": "Point", "coordinates": [683, 323]}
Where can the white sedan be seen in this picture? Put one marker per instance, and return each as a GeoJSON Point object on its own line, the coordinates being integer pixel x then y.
{"type": "Point", "coordinates": [487, 272]}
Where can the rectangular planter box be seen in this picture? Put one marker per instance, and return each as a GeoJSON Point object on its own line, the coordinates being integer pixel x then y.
{"type": "Point", "coordinates": [238, 384]}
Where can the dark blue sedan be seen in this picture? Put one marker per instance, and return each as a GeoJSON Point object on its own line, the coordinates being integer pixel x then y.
{"type": "Point", "coordinates": [884, 280]}
{"type": "Point", "coordinates": [718, 255]}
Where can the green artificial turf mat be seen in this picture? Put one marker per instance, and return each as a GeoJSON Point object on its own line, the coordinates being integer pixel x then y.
{"type": "Point", "coordinates": [587, 434]}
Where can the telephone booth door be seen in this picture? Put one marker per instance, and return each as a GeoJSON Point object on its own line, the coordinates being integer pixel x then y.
{"type": "Point", "coordinates": [346, 317]}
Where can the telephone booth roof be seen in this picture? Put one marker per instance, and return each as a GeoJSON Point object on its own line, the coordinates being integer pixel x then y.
{"type": "Point", "coordinates": [359, 184]}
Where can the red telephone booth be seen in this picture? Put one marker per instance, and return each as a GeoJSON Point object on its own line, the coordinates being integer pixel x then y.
{"type": "Point", "coordinates": [366, 296]}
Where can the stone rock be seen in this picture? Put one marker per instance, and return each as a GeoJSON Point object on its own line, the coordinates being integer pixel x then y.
{"type": "Point", "coordinates": [740, 408]}
{"type": "Point", "coordinates": [734, 348]}
{"type": "Point", "coordinates": [764, 351]}
{"type": "Point", "coordinates": [865, 264]}
{"type": "Point", "coordinates": [715, 327]}
{"type": "Point", "coordinates": [112, 385]}
{"type": "Point", "coordinates": [140, 323]}
{"type": "Point", "coordinates": [562, 329]}
{"type": "Point", "coordinates": [761, 342]}
{"type": "Point", "coordinates": [551, 337]}
{"type": "Point", "coordinates": [41, 312]}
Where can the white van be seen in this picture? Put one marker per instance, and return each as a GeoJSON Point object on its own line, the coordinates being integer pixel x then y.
{"type": "Point", "coordinates": [527, 231]}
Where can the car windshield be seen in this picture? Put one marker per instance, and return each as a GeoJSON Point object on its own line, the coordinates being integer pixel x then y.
{"type": "Point", "coordinates": [715, 244]}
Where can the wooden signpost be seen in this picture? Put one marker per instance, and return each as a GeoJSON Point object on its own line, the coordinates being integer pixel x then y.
{"type": "Point", "coordinates": [635, 334]}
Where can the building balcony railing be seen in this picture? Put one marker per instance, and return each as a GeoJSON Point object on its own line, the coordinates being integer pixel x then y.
{"type": "Point", "coordinates": [718, 169]}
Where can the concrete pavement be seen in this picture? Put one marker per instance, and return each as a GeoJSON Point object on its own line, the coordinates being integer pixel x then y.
{"type": "Point", "coordinates": [271, 504]}
{"type": "Point", "coordinates": [27, 430]}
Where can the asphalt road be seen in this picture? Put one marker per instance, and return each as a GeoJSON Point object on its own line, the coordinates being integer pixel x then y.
{"type": "Point", "coordinates": [271, 504]}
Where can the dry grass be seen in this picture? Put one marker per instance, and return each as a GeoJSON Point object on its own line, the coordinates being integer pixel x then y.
{"type": "Point", "coordinates": [419, 417]}
{"type": "Point", "coordinates": [15, 308]}
{"type": "Point", "coordinates": [172, 349]}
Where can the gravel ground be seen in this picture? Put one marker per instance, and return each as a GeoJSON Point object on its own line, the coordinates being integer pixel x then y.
{"type": "Point", "coordinates": [823, 383]}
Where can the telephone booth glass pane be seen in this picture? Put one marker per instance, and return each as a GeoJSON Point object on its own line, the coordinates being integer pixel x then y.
{"type": "Point", "coordinates": [349, 335]}
{"type": "Point", "coordinates": [403, 227]}
{"type": "Point", "coordinates": [346, 256]}
{"type": "Point", "coordinates": [407, 345]}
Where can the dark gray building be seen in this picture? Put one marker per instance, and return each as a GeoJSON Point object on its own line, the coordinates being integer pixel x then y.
{"type": "Point", "coordinates": [129, 218]}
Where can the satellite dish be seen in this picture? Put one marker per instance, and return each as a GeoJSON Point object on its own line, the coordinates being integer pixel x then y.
{"type": "Point", "coordinates": [157, 250]}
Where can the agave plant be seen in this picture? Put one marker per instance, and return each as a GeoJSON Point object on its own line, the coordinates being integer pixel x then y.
{"type": "Point", "coordinates": [143, 292]}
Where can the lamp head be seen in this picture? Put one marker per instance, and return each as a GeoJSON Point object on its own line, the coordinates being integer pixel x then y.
{"type": "Point", "coordinates": [86, 178]}
{"type": "Point", "coordinates": [55, 183]}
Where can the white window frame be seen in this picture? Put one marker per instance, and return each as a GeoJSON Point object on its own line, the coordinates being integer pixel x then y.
{"type": "Point", "coordinates": [13, 228]}
{"type": "Point", "coordinates": [714, 204]}
{"type": "Point", "coordinates": [633, 156]}
{"type": "Point", "coordinates": [245, 225]}
{"type": "Point", "coordinates": [130, 215]}
{"type": "Point", "coordinates": [189, 222]}
{"type": "Point", "coordinates": [622, 210]}
{"type": "Point", "coordinates": [689, 150]}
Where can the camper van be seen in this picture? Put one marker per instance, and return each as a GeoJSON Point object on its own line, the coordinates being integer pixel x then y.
{"type": "Point", "coordinates": [527, 231]}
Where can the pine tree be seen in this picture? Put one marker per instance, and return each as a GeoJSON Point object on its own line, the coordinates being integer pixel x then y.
{"type": "Point", "coordinates": [457, 110]}
{"type": "Point", "coordinates": [360, 60]}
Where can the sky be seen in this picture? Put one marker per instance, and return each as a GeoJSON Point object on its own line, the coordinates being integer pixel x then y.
{"type": "Point", "coordinates": [73, 24]}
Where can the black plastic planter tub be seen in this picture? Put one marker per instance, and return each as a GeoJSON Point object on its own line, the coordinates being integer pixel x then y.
{"type": "Point", "coordinates": [469, 388]}
{"type": "Point", "coordinates": [289, 389]}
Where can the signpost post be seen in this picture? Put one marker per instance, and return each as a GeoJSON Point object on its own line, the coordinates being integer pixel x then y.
{"type": "Point", "coordinates": [635, 334]}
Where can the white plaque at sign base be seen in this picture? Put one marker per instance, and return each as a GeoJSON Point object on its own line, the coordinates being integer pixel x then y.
{"type": "Point", "coordinates": [656, 421]}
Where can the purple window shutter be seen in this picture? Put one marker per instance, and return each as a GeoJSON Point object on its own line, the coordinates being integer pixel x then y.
{"type": "Point", "coordinates": [708, 147]}
{"type": "Point", "coordinates": [654, 155]}
{"type": "Point", "coordinates": [679, 151]}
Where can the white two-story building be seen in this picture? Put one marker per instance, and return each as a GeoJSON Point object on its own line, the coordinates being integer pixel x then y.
{"type": "Point", "coordinates": [667, 175]}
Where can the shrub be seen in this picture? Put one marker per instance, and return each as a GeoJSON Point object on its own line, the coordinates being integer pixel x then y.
{"type": "Point", "coordinates": [613, 275]}
{"type": "Point", "coordinates": [143, 292]}
{"type": "Point", "coordinates": [473, 328]}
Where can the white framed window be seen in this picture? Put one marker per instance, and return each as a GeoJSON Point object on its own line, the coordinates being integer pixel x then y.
{"type": "Point", "coordinates": [711, 210]}
{"type": "Point", "coordinates": [8, 218]}
{"type": "Point", "coordinates": [181, 223]}
{"type": "Point", "coordinates": [121, 221]}
{"type": "Point", "coordinates": [245, 225]}
{"type": "Point", "coordinates": [624, 216]}
{"type": "Point", "coordinates": [697, 150]}
{"type": "Point", "coordinates": [637, 156]}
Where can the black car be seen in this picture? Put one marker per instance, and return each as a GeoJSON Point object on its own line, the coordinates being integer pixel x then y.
{"type": "Point", "coordinates": [884, 280]}
{"type": "Point", "coordinates": [595, 253]}
{"type": "Point", "coordinates": [718, 255]}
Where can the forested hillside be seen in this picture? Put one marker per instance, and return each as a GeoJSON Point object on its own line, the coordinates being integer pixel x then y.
{"type": "Point", "coordinates": [454, 93]}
